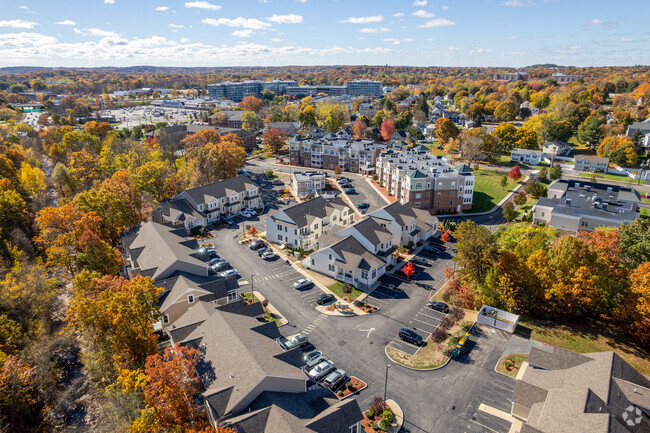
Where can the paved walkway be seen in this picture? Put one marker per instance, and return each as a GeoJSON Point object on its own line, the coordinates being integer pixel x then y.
{"type": "Point", "coordinates": [522, 345]}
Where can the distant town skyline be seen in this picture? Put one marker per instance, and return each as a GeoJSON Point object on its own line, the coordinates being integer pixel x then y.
{"type": "Point", "coordinates": [511, 33]}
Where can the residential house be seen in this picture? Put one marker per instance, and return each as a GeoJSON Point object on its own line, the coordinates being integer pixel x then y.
{"type": "Point", "coordinates": [527, 156]}
{"type": "Point", "coordinates": [591, 163]}
{"type": "Point", "coordinates": [406, 222]}
{"type": "Point", "coordinates": [255, 386]}
{"type": "Point", "coordinates": [303, 224]}
{"type": "Point", "coordinates": [308, 183]}
{"type": "Point", "coordinates": [204, 205]}
{"type": "Point", "coordinates": [643, 130]}
{"type": "Point", "coordinates": [574, 206]}
{"type": "Point", "coordinates": [563, 391]}
{"type": "Point", "coordinates": [290, 128]}
{"type": "Point", "coordinates": [556, 148]}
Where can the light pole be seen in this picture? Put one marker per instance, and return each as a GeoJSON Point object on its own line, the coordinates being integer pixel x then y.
{"type": "Point", "coordinates": [386, 382]}
{"type": "Point", "coordinates": [252, 281]}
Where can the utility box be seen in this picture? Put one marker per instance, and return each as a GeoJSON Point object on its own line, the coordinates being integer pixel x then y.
{"type": "Point", "coordinates": [498, 318]}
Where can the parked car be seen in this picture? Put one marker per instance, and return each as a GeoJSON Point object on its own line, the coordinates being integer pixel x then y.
{"type": "Point", "coordinates": [228, 221]}
{"type": "Point", "coordinates": [420, 261]}
{"type": "Point", "coordinates": [341, 180]}
{"type": "Point", "coordinates": [431, 250]}
{"type": "Point", "coordinates": [297, 341]}
{"type": "Point", "coordinates": [220, 265]}
{"type": "Point", "coordinates": [439, 306]}
{"type": "Point", "coordinates": [325, 298]}
{"type": "Point", "coordinates": [312, 356]}
{"type": "Point", "coordinates": [363, 205]}
{"type": "Point", "coordinates": [215, 260]}
{"type": "Point", "coordinates": [302, 283]}
{"type": "Point", "coordinates": [255, 245]}
{"type": "Point", "coordinates": [251, 211]}
{"type": "Point", "coordinates": [229, 273]}
{"type": "Point", "coordinates": [246, 214]}
{"type": "Point", "coordinates": [242, 171]}
{"type": "Point", "coordinates": [321, 370]}
{"type": "Point", "coordinates": [277, 182]}
{"type": "Point", "coordinates": [410, 336]}
{"type": "Point", "coordinates": [335, 379]}
{"type": "Point", "coordinates": [269, 255]}
{"type": "Point", "coordinates": [262, 250]}
{"type": "Point", "coordinates": [350, 191]}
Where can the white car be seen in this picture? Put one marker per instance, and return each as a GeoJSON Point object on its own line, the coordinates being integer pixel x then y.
{"type": "Point", "coordinates": [246, 214]}
{"type": "Point", "coordinates": [229, 273]}
{"type": "Point", "coordinates": [321, 370]}
{"type": "Point", "coordinates": [301, 283]}
{"type": "Point", "coordinates": [250, 211]}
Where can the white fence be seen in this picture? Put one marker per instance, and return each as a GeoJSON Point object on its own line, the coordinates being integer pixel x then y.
{"type": "Point", "coordinates": [498, 318]}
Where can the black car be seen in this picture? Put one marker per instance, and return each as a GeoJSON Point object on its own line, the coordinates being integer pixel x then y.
{"type": "Point", "coordinates": [256, 245]}
{"type": "Point", "coordinates": [439, 306]}
{"type": "Point", "coordinates": [324, 299]}
{"type": "Point", "coordinates": [363, 205]}
{"type": "Point", "coordinates": [431, 250]}
{"type": "Point", "coordinates": [228, 221]}
{"type": "Point", "coordinates": [261, 250]}
{"type": "Point", "coordinates": [410, 336]}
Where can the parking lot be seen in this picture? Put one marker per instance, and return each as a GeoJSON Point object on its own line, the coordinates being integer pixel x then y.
{"type": "Point", "coordinates": [424, 321]}
{"type": "Point", "coordinates": [134, 116]}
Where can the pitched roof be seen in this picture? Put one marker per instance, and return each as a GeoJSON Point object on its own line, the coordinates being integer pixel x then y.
{"type": "Point", "coordinates": [176, 208]}
{"type": "Point", "coordinates": [212, 287]}
{"type": "Point", "coordinates": [157, 247]}
{"type": "Point", "coordinates": [353, 255]}
{"type": "Point", "coordinates": [416, 174]}
{"type": "Point", "coordinates": [223, 188]}
{"type": "Point", "coordinates": [303, 214]}
{"type": "Point", "coordinates": [370, 229]}
{"type": "Point", "coordinates": [463, 169]}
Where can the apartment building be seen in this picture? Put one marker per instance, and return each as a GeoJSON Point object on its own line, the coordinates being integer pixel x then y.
{"type": "Point", "coordinates": [566, 79]}
{"type": "Point", "coordinates": [574, 205]}
{"type": "Point", "coordinates": [527, 156]}
{"type": "Point", "coordinates": [425, 180]}
{"type": "Point", "coordinates": [308, 183]}
{"type": "Point", "coordinates": [206, 204]}
{"type": "Point", "coordinates": [360, 254]}
{"type": "Point", "coordinates": [302, 225]}
{"type": "Point", "coordinates": [591, 163]}
{"type": "Point", "coordinates": [512, 76]}
{"type": "Point", "coordinates": [238, 91]}
{"type": "Point", "coordinates": [355, 156]}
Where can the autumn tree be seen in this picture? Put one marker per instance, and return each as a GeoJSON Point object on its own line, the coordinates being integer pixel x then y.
{"type": "Point", "coordinates": [445, 236]}
{"type": "Point", "coordinates": [32, 179]}
{"type": "Point", "coordinates": [251, 121]}
{"type": "Point", "coordinates": [359, 129]}
{"type": "Point", "coordinates": [199, 139]}
{"type": "Point", "coordinates": [333, 116]}
{"type": "Point", "coordinates": [63, 180]}
{"type": "Point", "coordinates": [526, 139]}
{"type": "Point", "coordinates": [19, 402]}
{"type": "Point", "coordinates": [508, 211]}
{"type": "Point", "coordinates": [640, 305]}
{"type": "Point", "coordinates": [275, 139]}
{"type": "Point", "coordinates": [635, 242]}
{"type": "Point", "coordinates": [505, 135]}
{"type": "Point", "coordinates": [408, 270]}
{"type": "Point", "coordinates": [520, 198]}
{"type": "Point", "coordinates": [214, 162]}
{"type": "Point", "coordinates": [515, 173]}
{"type": "Point", "coordinates": [477, 250]}
{"type": "Point", "coordinates": [150, 178]}
{"type": "Point", "coordinates": [387, 129]}
{"type": "Point", "coordinates": [251, 103]}
{"type": "Point", "coordinates": [446, 130]}
{"type": "Point", "coordinates": [116, 316]}
{"type": "Point", "coordinates": [506, 111]}
{"type": "Point", "coordinates": [171, 386]}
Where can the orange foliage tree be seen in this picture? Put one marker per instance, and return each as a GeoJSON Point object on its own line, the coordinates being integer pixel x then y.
{"type": "Point", "coordinates": [251, 103]}
{"type": "Point", "coordinates": [18, 394]}
{"type": "Point", "coordinates": [199, 139]}
{"type": "Point", "coordinates": [387, 129]}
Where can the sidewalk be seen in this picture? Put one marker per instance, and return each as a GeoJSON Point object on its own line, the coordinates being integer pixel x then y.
{"type": "Point", "coordinates": [281, 319]}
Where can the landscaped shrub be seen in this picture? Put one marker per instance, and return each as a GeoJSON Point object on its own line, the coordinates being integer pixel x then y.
{"type": "Point", "coordinates": [370, 413]}
{"type": "Point", "coordinates": [340, 393]}
{"type": "Point", "coordinates": [347, 288]}
{"type": "Point", "coordinates": [378, 405]}
{"type": "Point", "coordinates": [410, 245]}
{"type": "Point", "coordinates": [265, 303]}
{"type": "Point", "coordinates": [349, 385]}
{"type": "Point", "coordinates": [456, 313]}
{"type": "Point", "coordinates": [439, 335]}
{"type": "Point", "coordinates": [384, 425]}
{"type": "Point", "coordinates": [387, 415]}
{"type": "Point", "coordinates": [446, 323]}
{"type": "Point", "coordinates": [196, 231]}
{"type": "Point", "coordinates": [375, 426]}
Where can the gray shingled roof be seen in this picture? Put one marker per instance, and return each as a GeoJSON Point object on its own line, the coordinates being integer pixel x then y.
{"type": "Point", "coordinates": [354, 254]}
{"type": "Point", "coordinates": [303, 214]}
{"type": "Point", "coordinates": [223, 188]}
{"type": "Point", "coordinates": [370, 229]}
{"type": "Point", "coordinates": [175, 287]}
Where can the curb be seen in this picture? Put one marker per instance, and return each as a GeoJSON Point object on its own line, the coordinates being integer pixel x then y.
{"type": "Point", "coordinates": [398, 412]}
{"type": "Point", "coordinates": [377, 191]}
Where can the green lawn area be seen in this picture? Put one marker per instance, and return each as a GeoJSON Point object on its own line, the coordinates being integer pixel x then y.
{"type": "Point", "coordinates": [516, 359]}
{"type": "Point", "coordinates": [645, 200]}
{"type": "Point", "coordinates": [588, 336]}
{"type": "Point", "coordinates": [488, 191]}
{"type": "Point", "coordinates": [644, 212]}
{"type": "Point", "coordinates": [521, 210]}
{"type": "Point", "coordinates": [337, 289]}
{"type": "Point", "coordinates": [609, 176]}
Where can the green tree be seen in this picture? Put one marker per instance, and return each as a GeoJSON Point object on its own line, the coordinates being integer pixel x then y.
{"type": "Point", "coordinates": [477, 250]}
{"type": "Point", "coordinates": [591, 130]}
{"type": "Point", "coordinates": [506, 111]}
{"type": "Point", "coordinates": [251, 121]}
{"type": "Point", "coordinates": [635, 242]}
{"type": "Point", "coordinates": [508, 211]}
{"type": "Point", "coordinates": [556, 172]}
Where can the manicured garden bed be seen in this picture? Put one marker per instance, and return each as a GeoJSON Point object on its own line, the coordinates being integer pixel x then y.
{"type": "Point", "coordinates": [352, 386]}
{"type": "Point", "coordinates": [510, 365]}
{"type": "Point", "coordinates": [378, 417]}
{"type": "Point", "coordinates": [337, 289]}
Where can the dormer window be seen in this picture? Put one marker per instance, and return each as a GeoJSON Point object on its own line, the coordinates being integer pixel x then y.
{"type": "Point", "coordinates": [190, 299]}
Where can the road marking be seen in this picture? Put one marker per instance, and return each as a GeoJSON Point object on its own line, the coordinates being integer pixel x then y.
{"type": "Point", "coordinates": [426, 323]}
{"type": "Point", "coordinates": [368, 331]}
{"type": "Point", "coordinates": [496, 412]}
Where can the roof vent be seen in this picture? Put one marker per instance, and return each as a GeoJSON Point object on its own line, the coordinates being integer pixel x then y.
{"type": "Point", "coordinates": [568, 202]}
{"type": "Point", "coordinates": [609, 189]}
{"type": "Point", "coordinates": [588, 187]}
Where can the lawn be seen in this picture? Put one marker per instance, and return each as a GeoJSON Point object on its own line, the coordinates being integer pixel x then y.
{"type": "Point", "coordinates": [644, 212]}
{"type": "Point", "coordinates": [337, 289]}
{"type": "Point", "coordinates": [488, 191]}
{"type": "Point", "coordinates": [516, 358]}
{"type": "Point", "coordinates": [585, 337]}
{"type": "Point", "coordinates": [616, 177]}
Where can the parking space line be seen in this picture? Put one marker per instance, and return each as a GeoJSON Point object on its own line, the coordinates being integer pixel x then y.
{"type": "Point", "coordinates": [426, 323]}
{"type": "Point", "coordinates": [433, 317]}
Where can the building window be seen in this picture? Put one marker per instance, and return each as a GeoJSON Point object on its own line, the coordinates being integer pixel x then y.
{"type": "Point", "coordinates": [232, 295]}
{"type": "Point", "coordinates": [374, 273]}
{"type": "Point", "coordinates": [279, 227]}
{"type": "Point", "coordinates": [166, 319]}
{"type": "Point", "coordinates": [280, 238]}
{"type": "Point", "coordinates": [439, 194]}
{"type": "Point", "coordinates": [451, 203]}
{"type": "Point", "coordinates": [364, 275]}
{"type": "Point", "coordinates": [542, 214]}
{"type": "Point", "coordinates": [331, 268]}
{"type": "Point", "coordinates": [330, 256]}
{"type": "Point", "coordinates": [452, 193]}
{"type": "Point", "coordinates": [354, 428]}
{"type": "Point", "coordinates": [438, 202]}
{"type": "Point", "coordinates": [584, 223]}
{"type": "Point", "coordinates": [190, 299]}
{"type": "Point", "coordinates": [312, 262]}
{"type": "Point", "coordinates": [295, 231]}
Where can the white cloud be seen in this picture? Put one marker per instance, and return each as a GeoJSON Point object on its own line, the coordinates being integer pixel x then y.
{"type": "Point", "coordinates": [66, 23]}
{"type": "Point", "coordinates": [23, 7]}
{"type": "Point", "coordinates": [626, 40]}
{"type": "Point", "coordinates": [597, 22]}
{"type": "Point", "coordinates": [301, 1]}
{"type": "Point", "coordinates": [99, 32]}
{"type": "Point", "coordinates": [202, 5]}
{"type": "Point", "coordinates": [247, 23]}
{"type": "Point", "coordinates": [398, 14]}
{"type": "Point", "coordinates": [110, 2]}
{"type": "Point", "coordinates": [286, 19]}
{"type": "Point", "coordinates": [176, 26]}
{"type": "Point", "coordinates": [243, 33]}
{"type": "Point", "coordinates": [513, 3]}
{"type": "Point", "coordinates": [444, 8]}
{"type": "Point", "coordinates": [276, 39]}
{"type": "Point", "coordinates": [18, 24]}
{"type": "Point", "coordinates": [437, 22]}
{"type": "Point", "coordinates": [184, 40]}
{"type": "Point", "coordinates": [397, 41]}
{"type": "Point", "coordinates": [510, 38]}
{"type": "Point", "coordinates": [380, 30]}
{"type": "Point", "coordinates": [162, 8]}
{"type": "Point", "coordinates": [364, 20]}
{"type": "Point", "coordinates": [420, 3]}
{"type": "Point", "coordinates": [423, 14]}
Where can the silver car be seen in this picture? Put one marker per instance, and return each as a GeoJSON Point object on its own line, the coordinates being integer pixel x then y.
{"type": "Point", "coordinates": [334, 380]}
{"type": "Point", "coordinates": [321, 370]}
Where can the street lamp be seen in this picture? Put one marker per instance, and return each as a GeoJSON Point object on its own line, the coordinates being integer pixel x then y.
{"type": "Point", "coordinates": [386, 382]}
{"type": "Point", "coordinates": [252, 281]}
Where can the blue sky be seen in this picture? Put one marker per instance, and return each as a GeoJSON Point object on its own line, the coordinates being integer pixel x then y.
{"type": "Point", "coordinates": [306, 32]}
